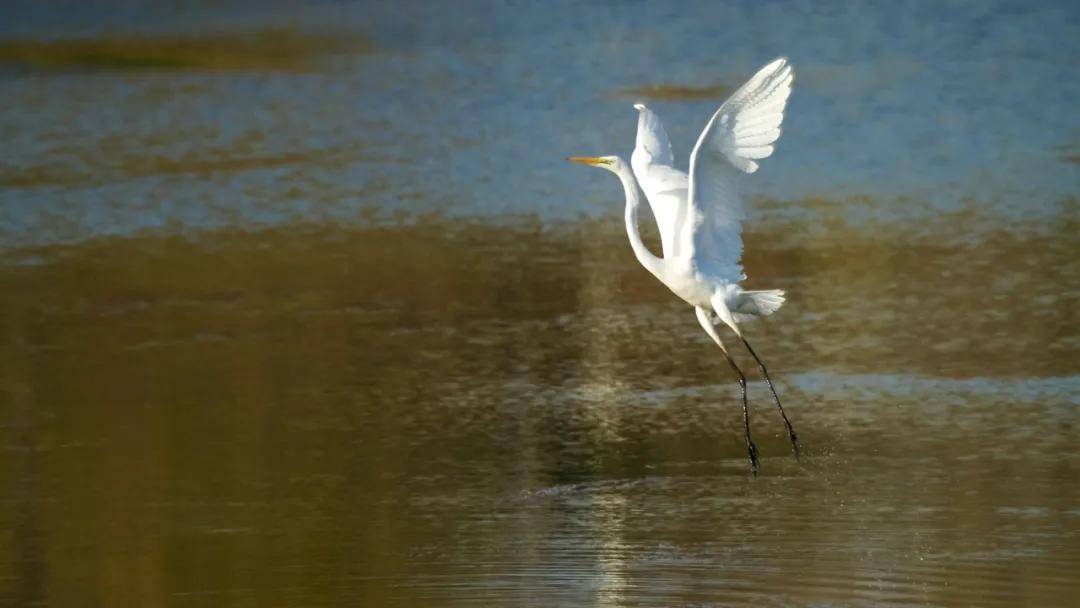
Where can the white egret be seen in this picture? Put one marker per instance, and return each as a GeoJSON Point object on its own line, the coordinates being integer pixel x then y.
{"type": "Point", "coordinates": [699, 215]}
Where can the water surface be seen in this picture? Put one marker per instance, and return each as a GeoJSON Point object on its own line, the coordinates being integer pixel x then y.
{"type": "Point", "coordinates": [331, 322]}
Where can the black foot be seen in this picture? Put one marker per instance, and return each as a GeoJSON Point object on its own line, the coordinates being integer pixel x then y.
{"type": "Point", "coordinates": [752, 449]}
{"type": "Point", "coordinates": [794, 442]}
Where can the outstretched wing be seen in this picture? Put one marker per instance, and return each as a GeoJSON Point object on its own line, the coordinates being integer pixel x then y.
{"type": "Point", "coordinates": [742, 131]}
{"type": "Point", "coordinates": [652, 137]}
{"type": "Point", "coordinates": [665, 186]}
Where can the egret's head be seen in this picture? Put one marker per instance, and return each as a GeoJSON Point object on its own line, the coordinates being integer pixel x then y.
{"type": "Point", "coordinates": [604, 162]}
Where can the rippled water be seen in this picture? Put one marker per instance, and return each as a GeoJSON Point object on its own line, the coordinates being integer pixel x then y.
{"type": "Point", "coordinates": [328, 322]}
{"type": "Point", "coordinates": [451, 413]}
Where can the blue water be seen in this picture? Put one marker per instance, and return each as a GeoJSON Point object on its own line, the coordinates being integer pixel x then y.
{"type": "Point", "coordinates": [923, 108]}
{"type": "Point", "coordinates": [452, 413]}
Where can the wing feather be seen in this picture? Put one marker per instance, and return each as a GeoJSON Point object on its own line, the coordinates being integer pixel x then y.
{"type": "Point", "coordinates": [652, 137]}
{"type": "Point", "coordinates": [742, 131]}
{"type": "Point", "coordinates": [757, 137]}
{"type": "Point", "coordinates": [665, 187]}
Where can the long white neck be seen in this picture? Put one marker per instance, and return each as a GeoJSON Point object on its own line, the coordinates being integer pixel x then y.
{"type": "Point", "coordinates": [651, 263]}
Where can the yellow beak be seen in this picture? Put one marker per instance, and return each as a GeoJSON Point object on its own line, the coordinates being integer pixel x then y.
{"type": "Point", "coordinates": [586, 160]}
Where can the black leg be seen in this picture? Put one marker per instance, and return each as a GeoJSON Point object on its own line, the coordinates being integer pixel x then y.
{"type": "Point", "coordinates": [750, 447]}
{"type": "Point", "coordinates": [790, 429]}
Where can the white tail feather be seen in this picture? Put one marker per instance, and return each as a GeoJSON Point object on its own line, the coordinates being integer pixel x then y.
{"type": "Point", "coordinates": [753, 304]}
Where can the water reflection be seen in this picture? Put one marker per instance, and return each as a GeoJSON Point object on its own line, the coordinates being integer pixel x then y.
{"type": "Point", "coordinates": [301, 378]}
{"type": "Point", "coordinates": [225, 114]}
{"type": "Point", "coordinates": [457, 412]}
{"type": "Point", "coordinates": [675, 92]}
{"type": "Point", "coordinates": [255, 50]}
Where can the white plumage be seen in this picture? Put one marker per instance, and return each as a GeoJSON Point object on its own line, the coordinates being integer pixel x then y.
{"type": "Point", "coordinates": [748, 123]}
{"type": "Point", "coordinates": [700, 214]}
{"type": "Point", "coordinates": [741, 131]}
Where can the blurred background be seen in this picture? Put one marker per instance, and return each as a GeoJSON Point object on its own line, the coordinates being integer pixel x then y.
{"type": "Point", "coordinates": [300, 304]}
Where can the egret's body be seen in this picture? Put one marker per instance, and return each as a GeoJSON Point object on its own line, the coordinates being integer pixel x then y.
{"type": "Point", "coordinates": [699, 213]}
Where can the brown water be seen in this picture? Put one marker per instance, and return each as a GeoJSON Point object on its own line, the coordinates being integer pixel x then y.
{"type": "Point", "coordinates": [252, 355]}
{"type": "Point", "coordinates": [463, 413]}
